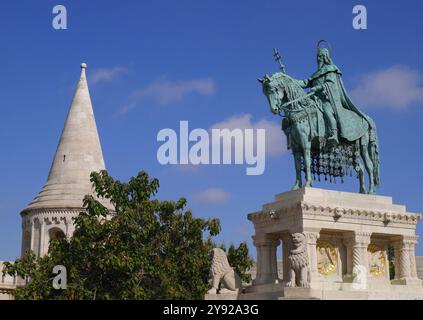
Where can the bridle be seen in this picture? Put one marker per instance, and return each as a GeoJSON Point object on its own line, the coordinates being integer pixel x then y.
{"type": "Point", "coordinates": [284, 106]}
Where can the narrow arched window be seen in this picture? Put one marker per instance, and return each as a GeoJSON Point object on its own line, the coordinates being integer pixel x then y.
{"type": "Point", "coordinates": [56, 234]}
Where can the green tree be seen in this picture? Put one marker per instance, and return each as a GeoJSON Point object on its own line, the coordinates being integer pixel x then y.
{"type": "Point", "coordinates": [391, 261]}
{"type": "Point", "coordinates": [146, 249]}
{"type": "Point", "coordinates": [241, 261]}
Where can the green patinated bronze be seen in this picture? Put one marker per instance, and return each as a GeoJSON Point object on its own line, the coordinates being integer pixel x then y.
{"type": "Point", "coordinates": [329, 136]}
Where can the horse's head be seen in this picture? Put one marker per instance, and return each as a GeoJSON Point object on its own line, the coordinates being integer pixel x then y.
{"type": "Point", "coordinates": [273, 90]}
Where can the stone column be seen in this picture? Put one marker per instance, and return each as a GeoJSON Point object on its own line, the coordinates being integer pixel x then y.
{"type": "Point", "coordinates": [267, 268]}
{"type": "Point", "coordinates": [32, 242]}
{"type": "Point", "coordinates": [412, 254]}
{"type": "Point", "coordinates": [357, 256]}
{"type": "Point", "coordinates": [312, 237]}
{"type": "Point", "coordinates": [405, 271]}
{"type": "Point", "coordinates": [405, 261]}
{"type": "Point", "coordinates": [387, 267]}
{"type": "Point", "coordinates": [285, 253]}
{"type": "Point", "coordinates": [41, 251]}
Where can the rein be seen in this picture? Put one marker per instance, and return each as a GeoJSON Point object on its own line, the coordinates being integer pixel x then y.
{"type": "Point", "coordinates": [283, 107]}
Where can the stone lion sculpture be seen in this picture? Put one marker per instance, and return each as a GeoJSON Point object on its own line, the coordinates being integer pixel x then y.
{"type": "Point", "coordinates": [298, 264]}
{"type": "Point", "coordinates": [223, 278]}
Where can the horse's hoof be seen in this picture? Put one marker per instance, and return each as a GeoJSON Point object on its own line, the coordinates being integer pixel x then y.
{"type": "Point", "coordinates": [296, 187]}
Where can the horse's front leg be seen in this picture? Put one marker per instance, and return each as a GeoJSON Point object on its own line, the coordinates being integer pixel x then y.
{"type": "Point", "coordinates": [298, 180]}
{"type": "Point", "coordinates": [360, 172]}
{"type": "Point", "coordinates": [307, 164]}
{"type": "Point", "coordinates": [369, 166]}
{"type": "Point", "coordinates": [305, 146]}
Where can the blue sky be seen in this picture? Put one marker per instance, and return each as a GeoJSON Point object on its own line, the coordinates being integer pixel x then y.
{"type": "Point", "coordinates": [154, 63]}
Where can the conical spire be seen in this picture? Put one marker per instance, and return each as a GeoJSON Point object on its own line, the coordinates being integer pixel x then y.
{"type": "Point", "coordinates": [77, 155]}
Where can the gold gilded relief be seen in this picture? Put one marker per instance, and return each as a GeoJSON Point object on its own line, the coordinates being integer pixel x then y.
{"type": "Point", "coordinates": [327, 257]}
{"type": "Point", "coordinates": [377, 260]}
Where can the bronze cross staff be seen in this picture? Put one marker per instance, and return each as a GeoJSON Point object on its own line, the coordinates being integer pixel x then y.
{"type": "Point", "coordinates": [278, 58]}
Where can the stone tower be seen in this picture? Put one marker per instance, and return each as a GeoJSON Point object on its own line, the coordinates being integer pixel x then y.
{"type": "Point", "coordinates": [79, 153]}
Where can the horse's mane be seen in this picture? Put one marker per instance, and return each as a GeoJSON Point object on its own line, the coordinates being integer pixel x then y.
{"type": "Point", "coordinates": [292, 89]}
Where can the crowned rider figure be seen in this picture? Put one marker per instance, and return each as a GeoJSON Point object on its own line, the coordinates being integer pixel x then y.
{"type": "Point", "coordinates": [327, 85]}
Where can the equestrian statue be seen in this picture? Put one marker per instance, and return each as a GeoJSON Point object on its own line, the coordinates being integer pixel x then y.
{"type": "Point", "coordinates": [329, 136]}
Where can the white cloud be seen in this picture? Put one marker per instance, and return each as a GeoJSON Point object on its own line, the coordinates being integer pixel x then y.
{"type": "Point", "coordinates": [166, 91]}
{"type": "Point", "coordinates": [212, 196]}
{"type": "Point", "coordinates": [275, 138]}
{"type": "Point", "coordinates": [104, 74]}
{"type": "Point", "coordinates": [396, 87]}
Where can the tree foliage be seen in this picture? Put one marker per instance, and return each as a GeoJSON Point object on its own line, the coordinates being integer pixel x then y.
{"type": "Point", "coordinates": [240, 260]}
{"type": "Point", "coordinates": [146, 249]}
{"type": "Point", "coordinates": [391, 261]}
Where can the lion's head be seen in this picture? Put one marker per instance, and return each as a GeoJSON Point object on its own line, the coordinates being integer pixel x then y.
{"type": "Point", "coordinates": [298, 239]}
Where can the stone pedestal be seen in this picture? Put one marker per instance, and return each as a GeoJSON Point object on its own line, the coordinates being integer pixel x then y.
{"type": "Point", "coordinates": [224, 296]}
{"type": "Point", "coordinates": [301, 294]}
{"type": "Point", "coordinates": [346, 237]}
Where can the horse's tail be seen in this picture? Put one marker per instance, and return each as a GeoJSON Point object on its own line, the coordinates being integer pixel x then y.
{"type": "Point", "coordinates": [374, 154]}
